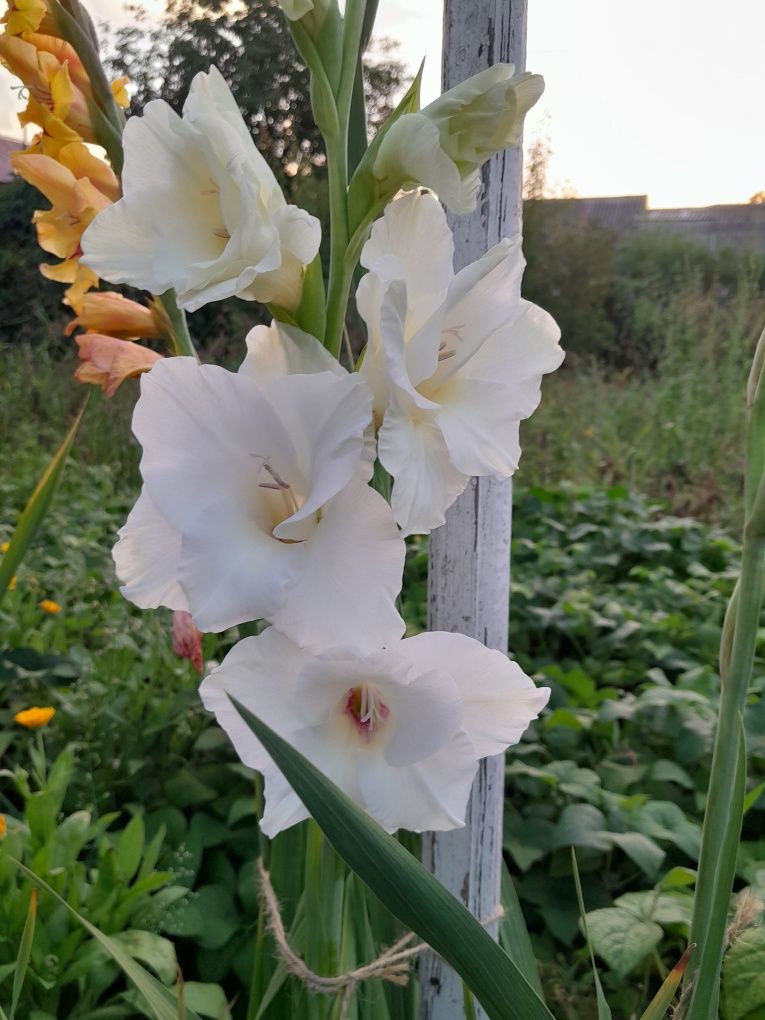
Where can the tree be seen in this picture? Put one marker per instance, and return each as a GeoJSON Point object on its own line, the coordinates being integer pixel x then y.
{"type": "Point", "coordinates": [252, 48]}
{"type": "Point", "coordinates": [758, 198]}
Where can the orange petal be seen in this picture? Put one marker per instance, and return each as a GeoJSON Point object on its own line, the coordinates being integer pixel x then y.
{"type": "Point", "coordinates": [109, 312]}
{"type": "Point", "coordinates": [107, 361]}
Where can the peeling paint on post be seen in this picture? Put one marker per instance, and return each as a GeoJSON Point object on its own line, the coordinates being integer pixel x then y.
{"type": "Point", "coordinates": [469, 573]}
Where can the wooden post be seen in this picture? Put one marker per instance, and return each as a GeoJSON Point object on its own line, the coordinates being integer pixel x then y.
{"type": "Point", "coordinates": [469, 573]}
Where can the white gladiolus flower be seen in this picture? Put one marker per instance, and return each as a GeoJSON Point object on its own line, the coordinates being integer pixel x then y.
{"type": "Point", "coordinates": [255, 503]}
{"type": "Point", "coordinates": [454, 362]}
{"type": "Point", "coordinates": [202, 212]}
{"type": "Point", "coordinates": [444, 145]}
{"type": "Point", "coordinates": [400, 731]}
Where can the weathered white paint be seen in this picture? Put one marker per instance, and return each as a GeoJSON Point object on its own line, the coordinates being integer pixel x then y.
{"type": "Point", "coordinates": [469, 575]}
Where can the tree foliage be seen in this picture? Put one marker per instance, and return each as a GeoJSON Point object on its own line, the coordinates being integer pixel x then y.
{"type": "Point", "coordinates": [251, 46]}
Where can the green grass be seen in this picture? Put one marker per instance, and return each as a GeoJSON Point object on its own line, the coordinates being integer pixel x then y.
{"type": "Point", "coordinates": [674, 430]}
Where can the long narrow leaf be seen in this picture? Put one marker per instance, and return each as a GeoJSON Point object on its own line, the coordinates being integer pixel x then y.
{"type": "Point", "coordinates": [25, 952]}
{"type": "Point", "coordinates": [411, 893]}
{"type": "Point", "coordinates": [161, 1001]}
{"type": "Point", "coordinates": [34, 512]}
{"type": "Point", "coordinates": [514, 935]}
{"type": "Point", "coordinates": [708, 960]}
{"type": "Point", "coordinates": [660, 1003]}
{"type": "Point", "coordinates": [604, 1010]}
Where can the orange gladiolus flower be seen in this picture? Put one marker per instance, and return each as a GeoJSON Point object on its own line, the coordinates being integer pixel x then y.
{"type": "Point", "coordinates": [112, 314]}
{"type": "Point", "coordinates": [3, 826]}
{"type": "Point", "coordinates": [34, 718]}
{"type": "Point", "coordinates": [78, 185]}
{"type": "Point", "coordinates": [29, 16]}
{"type": "Point", "coordinates": [50, 75]}
{"type": "Point", "coordinates": [107, 361]}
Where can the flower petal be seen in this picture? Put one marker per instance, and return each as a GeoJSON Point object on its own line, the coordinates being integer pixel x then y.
{"type": "Point", "coordinates": [431, 795]}
{"type": "Point", "coordinates": [351, 577]}
{"type": "Point", "coordinates": [425, 482]}
{"type": "Point", "coordinates": [278, 349]}
{"type": "Point", "coordinates": [499, 700]}
{"type": "Point", "coordinates": [146, 558]}
{"type": "Point", "coordinates": [412, 242]}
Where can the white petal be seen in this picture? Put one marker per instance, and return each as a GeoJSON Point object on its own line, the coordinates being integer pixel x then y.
{"type": "Point", "coordinates": [426, 715]}
{"type": "Point", "coordinates": [299, 232]}
{"type": "Point", "coordinates": [425, 482]}
{"type": "Point", "coordinates": [412, 242]}
{"type": "Point", "coordinates": [499, 700]}
{"type": "Point", "coordinates": [232, 571]}
{"type": "Point", "coordinates": [480, 427]}
{"type": "Point", "coordinates": [328, 416]}
{"type": "Point", "coordinates": [146, 558]}
{"type": "Point", "coordinates": [411, 153]}
{"type": "Point", "coordinates": [431, 795]}
{"type": "Point", "coordinates": [278, 349]}
{"type": "Point", "coordinates": [351, 578]}
{"type": "Point", "coordinates": [260, 672]}
{"type": "Point", "coordinates": [520, 355]}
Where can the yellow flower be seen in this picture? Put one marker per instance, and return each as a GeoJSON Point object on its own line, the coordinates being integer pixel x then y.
{"type": "Point", "coordinates": [5, 547]}
{"type": "Point", "coordinates": [33, 718]}
{"type": "Point", "coordinates": [78, 185]}
{"type": "Point", "coordinates": [3, 826]}
{"type": "Point", "coordinates": [589, 432]}
{"type": "Point", "coordinates": [12, 583]}
{"type": "Point", "coordinates": [120, 93]}
{"type": "Point", "coordinates": [54, 76]}
{"type": "Point", "coordinates": [29, 16]}
{"type": "Point", "coordinates": [49, 606]}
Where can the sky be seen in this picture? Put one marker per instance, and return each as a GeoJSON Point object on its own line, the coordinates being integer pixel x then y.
{"type": "Point", "coordinates": [656, 97]}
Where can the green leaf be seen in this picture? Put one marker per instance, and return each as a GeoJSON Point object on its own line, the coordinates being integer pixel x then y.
{"type": "Point", "coordinates": [620, 938]}
{"type": "Point", "coordinates": [582, 825]}
{"type": "Point", "coordinates": [604, 1011]}
{"type": "Point", "coordinates": [660, 1003]}
{"type": "Point", "coordinates": [160, 1000]}
{"type": "Point", "coordinates": [129, 847]}
{"type": "Point", "coordinates": [151, 949]}
{"type": "Point", "coordinates": [514, 935]}
{"type": "Point", "coordinates": [644, 852]}
{"type": "Point", "coordinates": [206, 1000]}
{"type": "Point", "coordinates": [34, 512]}
{"type": "Point", "coordinates": [743, 988]}
{"type": "Point", "coordinates": [411, 893]}
{"type": "Point", "coordinates": [25, 952]}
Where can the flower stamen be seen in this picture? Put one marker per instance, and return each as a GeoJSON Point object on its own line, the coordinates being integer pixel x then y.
{"type": "Point", "coordinates": [367, 710]}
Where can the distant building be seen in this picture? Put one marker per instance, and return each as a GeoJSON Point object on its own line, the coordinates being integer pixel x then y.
{"type": "Point", "coordinates": [741, 227]}
{"type": "Point", "coordinates": [7, 146]}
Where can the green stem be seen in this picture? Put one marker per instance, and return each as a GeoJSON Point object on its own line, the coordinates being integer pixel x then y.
{"type": "Point", "coordinates": [340, 266]}
{"type": "Point", "coordinates": [722, 819]}
{"type": "Point", "coordinates": [182, 342]}
{"type": "Point", "coordinates": [340, 277]}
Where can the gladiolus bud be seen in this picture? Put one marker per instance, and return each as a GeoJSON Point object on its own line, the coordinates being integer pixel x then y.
{"type": "Point", "coordinates": [107, 361]}
{"type": "Point", "coordinates": [443, 146]}
{"type": "Point", "coordinates": [187, 639]}
{"type": "Point", "coordinates": [110, 313]}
